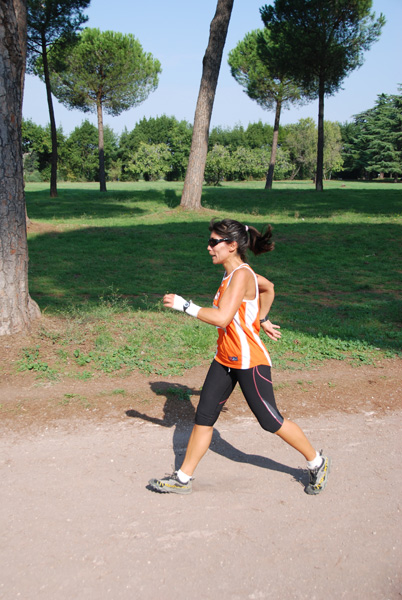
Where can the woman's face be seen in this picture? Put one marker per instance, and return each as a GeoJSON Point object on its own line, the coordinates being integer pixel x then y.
{"type": "Point", "coordinates": [218, 248]}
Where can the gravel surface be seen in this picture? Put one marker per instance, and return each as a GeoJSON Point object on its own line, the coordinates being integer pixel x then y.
{"type": "Point", "coordinates": [78, 522]}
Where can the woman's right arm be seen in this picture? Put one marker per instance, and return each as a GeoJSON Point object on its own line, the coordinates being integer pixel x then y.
{"type": "Point", "coordinates": [267, 295]}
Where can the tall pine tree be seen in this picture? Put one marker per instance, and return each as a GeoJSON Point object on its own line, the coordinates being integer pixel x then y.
{"type": "Point", "coordinates": [51, 24]}
{"type": "Point", "coordinates": [383, 137]}
{"type": "Point", "coordinates": [104, 71]}
{"type": "Point", "coordinates": [320, 42]}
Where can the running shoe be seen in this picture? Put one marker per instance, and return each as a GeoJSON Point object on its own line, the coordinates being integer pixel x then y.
{"type": "Point", "coordinates": [318, 477]}
{"type": "Point", "coordinates": [170, 484]}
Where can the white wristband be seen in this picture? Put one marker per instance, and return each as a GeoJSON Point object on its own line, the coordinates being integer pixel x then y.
{"type": "Point", "coordinates": [189, 307]}
{"type": "Point", "coordinates": [192, 309]}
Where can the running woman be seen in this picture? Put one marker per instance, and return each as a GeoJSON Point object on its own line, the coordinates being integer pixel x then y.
{"type": "Point", "coordinates": [240, 308]}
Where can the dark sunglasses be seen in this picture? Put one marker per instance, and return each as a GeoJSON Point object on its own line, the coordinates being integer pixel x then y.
{"type": "Point", "coordinates": [214, 242]}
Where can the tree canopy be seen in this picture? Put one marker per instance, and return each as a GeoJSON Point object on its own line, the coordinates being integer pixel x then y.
{"type": "Point", "coordinates": [252, 64]}
{"type": "Point", "coordinates": [176, 135]}
{"type": "Point", "coordinates": [322, 40]}
{"type": "Point", "coordinates": [52, 23]}
{"type": "Point", "coordinates": [106, 67]}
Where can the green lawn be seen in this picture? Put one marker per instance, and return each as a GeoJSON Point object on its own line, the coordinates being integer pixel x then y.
{"type": "Point", "coordinates": [107, 259]}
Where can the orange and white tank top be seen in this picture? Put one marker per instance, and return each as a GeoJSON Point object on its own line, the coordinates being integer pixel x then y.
{"type": "Point", "coordinates": [239, 344]}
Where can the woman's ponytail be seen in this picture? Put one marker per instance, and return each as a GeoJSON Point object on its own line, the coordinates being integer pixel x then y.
{"type": "Point", "coordinates": [260, 242]}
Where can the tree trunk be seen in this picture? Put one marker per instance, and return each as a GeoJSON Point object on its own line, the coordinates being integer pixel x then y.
{"type": "Point", "coordinates": [101, 147]}
{"type": "Point", "coordinates": [320, 141]}
{"type": "Point", "coordinates": [192, 190]}
{"type": "Point", "coordinates": [53, 130]}
{"type": "Point", "coordinates": [16, 307]}
{"type": "Point", "coordinates": [270, 174]}
{"type": "Point", "coordinates": [20, 6]}
{"type": "Point", "coordinates": [294, 174]}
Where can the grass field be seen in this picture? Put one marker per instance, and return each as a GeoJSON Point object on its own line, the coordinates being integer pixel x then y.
{"type": "Point", "coordinates": [99, 264]}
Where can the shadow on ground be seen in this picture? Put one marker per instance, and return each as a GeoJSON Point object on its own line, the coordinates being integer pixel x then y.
{"type": "Point", "coordinates": [179, 415]}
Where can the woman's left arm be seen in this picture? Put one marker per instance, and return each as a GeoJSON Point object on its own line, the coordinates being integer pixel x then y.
{"type": "Point", "coordinates": [229, 303]}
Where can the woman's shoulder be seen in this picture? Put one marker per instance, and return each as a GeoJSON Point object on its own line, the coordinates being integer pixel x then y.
{"type": "Point", "coordinates": [242, 273]}
{"type": "Point", "coordinates": [244, 269]}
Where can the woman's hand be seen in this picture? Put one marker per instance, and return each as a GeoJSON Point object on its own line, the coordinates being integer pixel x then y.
{"type": "Point", "coordinates": [179, 303]}
{"type": "Point", "coordinates": [271, 330]}
{"type": "Point", "coordinates": [168, 300]}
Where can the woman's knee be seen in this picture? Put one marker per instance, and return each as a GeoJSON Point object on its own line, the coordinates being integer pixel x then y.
{"type": "Point", "coordinates": [205, 419]}
{"type": "Point", "coordinates": [273, 428]}
{"type": "Point", "coordinates": [271, 425]}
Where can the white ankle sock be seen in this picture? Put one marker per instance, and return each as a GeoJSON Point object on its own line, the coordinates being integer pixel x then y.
{"type": "Point", "coordinates": [183, 477]}
{"type": "Point", "coordinates": [316, 462]}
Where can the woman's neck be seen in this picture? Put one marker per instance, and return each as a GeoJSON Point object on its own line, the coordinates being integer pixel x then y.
{"type": "Point", "coordinates": [232, 263]}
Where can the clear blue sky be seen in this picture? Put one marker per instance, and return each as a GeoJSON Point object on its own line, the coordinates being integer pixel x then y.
{"type": "Point", "coordinates": [177, 34]}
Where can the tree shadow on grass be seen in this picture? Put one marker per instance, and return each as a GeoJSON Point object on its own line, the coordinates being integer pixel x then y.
{"type": "Point", "coordinates": [87, 203]}
{"type": "Point", "coordinates": [179, 414]}
{"type": "Point", "coordinates": [306, 203]}
{"type": "Point", "coordinates": [72, 202]}
{"type": "Point", "coordinates": [171, 198]}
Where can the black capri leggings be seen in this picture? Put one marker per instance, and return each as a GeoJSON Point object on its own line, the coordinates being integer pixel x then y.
{"type": "Point", "coordinates": [256, 385]}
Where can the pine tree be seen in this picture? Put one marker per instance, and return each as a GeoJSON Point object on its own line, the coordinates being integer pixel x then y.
{"type": "Point", "coordinates": [253, 65]}
{"type": "Point", "coordinates": [104, 71]}
{"type": "Point", "coordinates": [383, 137]}
{"type": "Point", "coordinates": [51, 24]}
{"type": "Point", "coordinates": [321, 42]}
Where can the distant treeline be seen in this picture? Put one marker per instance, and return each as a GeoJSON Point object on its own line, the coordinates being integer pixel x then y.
{"type": "Point", "coordinates": [368, 147]}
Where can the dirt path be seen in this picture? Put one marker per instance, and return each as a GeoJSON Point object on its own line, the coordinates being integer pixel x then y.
{"type": "Point", "coordinates": [78, 522]}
